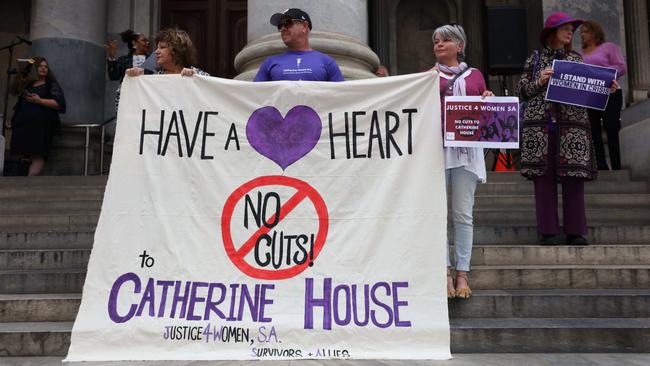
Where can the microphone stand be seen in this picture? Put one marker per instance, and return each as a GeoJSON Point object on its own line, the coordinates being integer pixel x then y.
{"type": "Point", "coordinates": [10, 72]}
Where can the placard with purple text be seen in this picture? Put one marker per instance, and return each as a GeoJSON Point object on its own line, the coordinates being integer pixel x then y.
{"type": "Point", "coordinates": [580, 84]}
{"type": "Point", "coordinates": [491, 122]}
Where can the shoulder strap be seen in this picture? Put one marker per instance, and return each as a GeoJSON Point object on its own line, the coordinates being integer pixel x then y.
{"type": "Point", "coordinates": [536, 57]}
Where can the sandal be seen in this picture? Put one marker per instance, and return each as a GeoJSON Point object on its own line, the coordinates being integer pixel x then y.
{"type": "Point", "coordinates": [463, 292]}
{"type": "Point", "coordinates": [451, 291]}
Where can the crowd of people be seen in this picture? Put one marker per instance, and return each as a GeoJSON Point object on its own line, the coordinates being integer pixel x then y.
{"type": "Point", "coordinates": [560, 143]}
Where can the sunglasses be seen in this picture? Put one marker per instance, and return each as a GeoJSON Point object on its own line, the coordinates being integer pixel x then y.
{"type": "Point", "coordinates": [288, 23]}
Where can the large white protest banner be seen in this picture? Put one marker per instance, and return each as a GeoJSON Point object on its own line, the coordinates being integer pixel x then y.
{"type": "Point", "coordinates": [279, 220]}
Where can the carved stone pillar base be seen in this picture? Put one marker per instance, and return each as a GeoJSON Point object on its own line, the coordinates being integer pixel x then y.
{"type": "Point", "coordinates": [356, 60]}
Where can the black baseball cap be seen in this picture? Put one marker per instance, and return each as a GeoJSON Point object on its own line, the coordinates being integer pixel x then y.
{"type": "Point", "coordinates": [292, 13]}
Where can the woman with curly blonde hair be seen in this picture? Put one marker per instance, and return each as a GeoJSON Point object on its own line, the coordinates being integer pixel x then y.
{"type": "Point", "coordinates": [175, 54]}
{"type": "Point", "coordinates": [36, 117]}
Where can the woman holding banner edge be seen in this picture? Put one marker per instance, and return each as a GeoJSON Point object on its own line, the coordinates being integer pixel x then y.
{"type": "Point", "coordinates": [464, 167]}
{"type": "Point", "coordinates": [175, 54]}
{"type": "Point", "coordinates": [556, 138]}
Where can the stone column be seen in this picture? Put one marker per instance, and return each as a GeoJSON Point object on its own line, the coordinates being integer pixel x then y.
{"type": "Point", "coordinates": [340, 30]}
{"type": "Point", "coordinates": [638, 46]}
{"type": "Point", "coordinates": [70, 34]}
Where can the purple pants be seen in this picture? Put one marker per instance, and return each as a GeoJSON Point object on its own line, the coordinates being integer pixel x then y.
{"type": "Point", "coordinates": [573, 199]}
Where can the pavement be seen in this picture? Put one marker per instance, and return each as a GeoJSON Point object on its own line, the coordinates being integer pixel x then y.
{"type": "Point", "coordinates": [476, 359]}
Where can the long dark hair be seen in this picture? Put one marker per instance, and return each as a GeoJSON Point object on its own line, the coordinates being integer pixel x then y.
{"type": "Point", "coordinates": [568, 48]}
{"type": "Point", "coordinates": [22, 81]}
{"type": "Point", "coordinates": [50, 78]}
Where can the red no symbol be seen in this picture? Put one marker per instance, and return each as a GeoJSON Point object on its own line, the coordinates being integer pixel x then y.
{"type": "Point", "coordinates": [303, 191]}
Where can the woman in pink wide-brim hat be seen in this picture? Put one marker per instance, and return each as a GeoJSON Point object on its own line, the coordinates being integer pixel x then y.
{"type": "Point", "coordinates": [556, 142]}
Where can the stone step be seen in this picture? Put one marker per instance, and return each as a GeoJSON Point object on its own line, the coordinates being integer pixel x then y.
{"type": "Point", "coordinates": [482, 255]}
{"type": "Point", "coordinates": [460, 359]}
{"type": "Point", "coordinates": [63, 222]}
{"type": "Point", "coordinates": [47, 239]}
{"type": "Point", "coordinates": [607, 233]}
{"type": "Point", "coordinates": [483, 235]}
{"type": "Point", "coordinates": [39, 307]}
{"type": "Point", "coordinates": [498, 183]}
{"type": "Point", "coordinates": [519, 277]}
{"type": "Point", "coordinates": [499, 255]}
{"type": "Point", "coordinates": [553, 303]}
{"type": "Point", "coordinates": [550, 335]}
{"type": "Point", "coordinates": [495, 222]}
{"type": "Point", "coordinates": [71, 180]}
{"type": "Point", "coordinates": [497, 188]}
{"type": "Point", "coordinates": [85, 219]}
{"type": "Point", "coordinates": [44, 258]}
{"type": "Point", "coordinates": [484, 304]}
{"type": "Point", "coordinates": [592, 201]}
{"type": "Point", "coordinates": [45, 281]}
{"type": "Point", "coordinates": [594, 187]}
{"type": "Point", "coordinates": [28, 193]}
{"type": "Point", "coordinates": [514, 335]}
{"type": "Point", "coordinates": [69, 280]}
{"type": "Point", "coordinates": [516, 216]}
{"type": "Point", "coordinates": [54, 181]}
{"type": "Point", "coordinates": [35, 338]}
{"type": "Point", "coordinates": [15, 207]}
{"type": "Point", "coordinates": [603, 175]}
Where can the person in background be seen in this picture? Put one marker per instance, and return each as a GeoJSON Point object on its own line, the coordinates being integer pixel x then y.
{"type": "Point", "coordinates": [175, 54]}
{"type": "Point", "coordinates": [556, 140]}
{"type": "Point", "coordinates": [36, 117]}
{"type": "Point", "coordinates": [381, 71]}
{"type": "Point", "coordinates": [596, 51]}
{"type": "Point", "coordinates": [464, 167]}
{"type": "Point", "coordinates": [138, 46]}
{"type": "Point", "coordinates": [300, 61]}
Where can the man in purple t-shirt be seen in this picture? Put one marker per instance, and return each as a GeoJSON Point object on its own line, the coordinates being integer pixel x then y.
{"type": "Point", "coordinates": [300, 62]}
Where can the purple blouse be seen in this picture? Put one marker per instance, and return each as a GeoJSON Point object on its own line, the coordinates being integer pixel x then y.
{"type": "Point", "coordinates": [607, 55]}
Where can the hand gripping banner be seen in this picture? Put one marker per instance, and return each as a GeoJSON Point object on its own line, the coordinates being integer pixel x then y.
{"type": "Point", "coordinates": [279, 220]}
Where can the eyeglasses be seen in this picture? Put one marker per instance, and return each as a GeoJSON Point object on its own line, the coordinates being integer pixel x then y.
{"type": "Point", "coordinates": [288, 23]}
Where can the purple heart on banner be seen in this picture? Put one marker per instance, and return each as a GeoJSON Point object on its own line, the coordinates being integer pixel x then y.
{"type": "Point", "coordinates": [284, 140]}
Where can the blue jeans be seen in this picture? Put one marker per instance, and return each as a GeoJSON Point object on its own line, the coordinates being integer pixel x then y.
{"type": "Point", "coordinates": [463, 185]}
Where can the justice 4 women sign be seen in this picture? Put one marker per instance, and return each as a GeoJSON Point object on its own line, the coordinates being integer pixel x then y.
{"type": "Point", "coordinates": [491, 122]}
{"type": "Point", "coordinates": [280, 220]}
